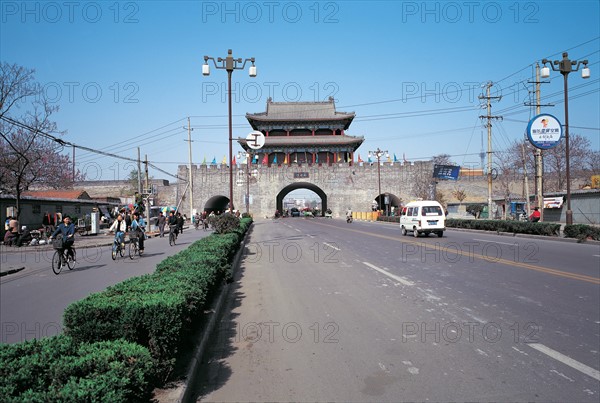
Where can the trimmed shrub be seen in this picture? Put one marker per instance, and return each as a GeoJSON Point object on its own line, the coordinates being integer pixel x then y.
{"type": "Point", "coordinates": [582, 232]}
{"type": "Point", "coordinates": [59, 369]}
{"type": "Point", "coordinates": [516, 227]}
{"type": "Point", "coordinates": [157, 310]}
{"type": "Point", "coordinates": [226, 223]}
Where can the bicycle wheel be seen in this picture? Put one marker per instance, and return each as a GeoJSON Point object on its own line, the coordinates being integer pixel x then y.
{"type": "Point", "coordinates": [122, 251]}
{"type": "Point", "coordinates": [57, 262]}
{"type": "Point", "coordinates": [133, 249]}
{"type": "Point", "coordinates": [72, 262]}
{"type": "Point", "coordinates": [171, 238]}
{"type": "Point", "coordinates": [114, 251]}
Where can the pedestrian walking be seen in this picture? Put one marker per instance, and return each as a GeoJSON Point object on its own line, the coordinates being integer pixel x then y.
{"type": "Point", "coordinates": [162, 220]}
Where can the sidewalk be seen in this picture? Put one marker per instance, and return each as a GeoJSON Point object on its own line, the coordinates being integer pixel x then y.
{"type": "Point", "coordinates": [103, 239]}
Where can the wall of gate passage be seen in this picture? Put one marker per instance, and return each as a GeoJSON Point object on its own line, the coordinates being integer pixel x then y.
{"type": "Point", "coordinates": [346, 186]}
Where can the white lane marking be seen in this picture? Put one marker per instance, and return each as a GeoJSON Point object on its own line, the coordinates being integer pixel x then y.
{"type": "Point", "coordinates": [331, 246]}
{"type": "Point", "coordinates": [297, 230]}
{"type": "Point", "coordinates": [589, 371]}
{"type": "Point", "coordinates": [596, 255]}
{"type": "Point", "coordinates": [390, 275]}
{"type": "Point", "coordinates": [503, 243]}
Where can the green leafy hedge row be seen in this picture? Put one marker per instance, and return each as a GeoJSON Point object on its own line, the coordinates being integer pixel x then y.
{"type": "Point", "coordinates": [157, 310]}
{"type": "Point", "coordinates": [582, 231]}
{"type": "Point", "coordinates": [59, 369]}
{"type": "Point", "coordinates": [121, 343]}
{"type": "Point", "coordinates": [517, 227]}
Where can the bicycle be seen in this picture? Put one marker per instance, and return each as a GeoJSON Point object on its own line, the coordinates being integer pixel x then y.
{"type": "Point", "coordinates": [133, 247]}
{"type": "Point", "coordinates": [117, 249]}
{"type": "Point", "coordinates": [61, 257]}
{"type": "Point", "coordinates": [172, 236]}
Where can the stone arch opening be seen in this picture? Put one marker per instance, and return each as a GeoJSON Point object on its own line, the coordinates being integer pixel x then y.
{"type": "Point", "coordinates": [301, 185]}
{"type": "Point", "coordinates": [216, 203]}
{"type": "Point", "coordinates": [392, 201]}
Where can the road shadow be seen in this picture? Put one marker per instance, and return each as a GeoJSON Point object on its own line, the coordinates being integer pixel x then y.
{"type": "Point", "coordinates": [213, 371]}
{"type": "Point", "coordinates": [83, 267]}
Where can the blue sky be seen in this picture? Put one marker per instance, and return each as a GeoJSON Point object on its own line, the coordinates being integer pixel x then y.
{"type": "Point", "coordinates": [128, 74]}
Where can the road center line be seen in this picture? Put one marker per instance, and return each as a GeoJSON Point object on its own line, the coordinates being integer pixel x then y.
{"type": "Point", "coordinates": [503, 243]}
{"type": "Point", "coordinates": [589, 371]}
{"type": "Point", "coordinates": [390, 275]}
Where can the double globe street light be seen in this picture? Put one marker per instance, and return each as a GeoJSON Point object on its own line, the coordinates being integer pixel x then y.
{"type": "Point", "coordinates": [565, 66]}
{"type": "Point", "coordinates": [229, 64]}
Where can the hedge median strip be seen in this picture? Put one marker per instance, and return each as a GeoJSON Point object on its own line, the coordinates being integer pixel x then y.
{"type": "Point", "coordinates": [122, 342]}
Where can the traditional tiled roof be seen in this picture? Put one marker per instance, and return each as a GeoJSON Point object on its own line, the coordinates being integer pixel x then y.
{"type": "Point", "coordinates": [76, 194]}
{"type": "Point", "coordinates": [316, 141]}
{"type": "Point", "coordinates": [300, 112]}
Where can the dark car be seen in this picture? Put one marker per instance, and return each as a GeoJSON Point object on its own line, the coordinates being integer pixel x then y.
{"type": "Point", "coordinates": [294, 212]}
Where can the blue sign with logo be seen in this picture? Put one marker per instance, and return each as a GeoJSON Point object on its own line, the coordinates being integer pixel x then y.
{"type": "Point", "coordinates": [446, 172]}
{"type": "Point", "coordinates": [544, 131]}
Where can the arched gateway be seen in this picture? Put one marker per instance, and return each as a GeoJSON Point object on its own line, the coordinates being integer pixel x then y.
{"type": "Point", "coordinates": [306, 146]}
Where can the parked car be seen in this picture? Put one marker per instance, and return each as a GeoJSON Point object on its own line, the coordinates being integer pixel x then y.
{"type": "Point", "coordinates": [294, 212]}
{"type": "Point", "coordinates": [328, 214]}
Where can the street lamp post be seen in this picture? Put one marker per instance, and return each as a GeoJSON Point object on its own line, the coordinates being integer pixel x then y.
{"type": "Point", "coordinates": [229, 64]}
{"type": "Point", "coordinates": [240, 156]}
{"type": "Point", "coordinates": [378, 154]}
{"type": "Point", "coordinates": [565, 67]}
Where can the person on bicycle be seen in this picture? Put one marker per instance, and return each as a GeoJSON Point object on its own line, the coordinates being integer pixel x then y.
{"type": "Point", "coordinates": [67, 229]}
{"type": "Point", "coordinates": [138, 227]}
{"type": "Point", "coordinates": [119, 226]}
{"type": "Point", "coordinates": [172, 223]}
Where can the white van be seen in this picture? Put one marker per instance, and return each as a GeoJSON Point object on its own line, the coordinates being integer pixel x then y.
{"type": "Point", "coordinates": [423, 217]}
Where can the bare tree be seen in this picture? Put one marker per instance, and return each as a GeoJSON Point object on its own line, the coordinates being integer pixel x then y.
{"type": "Point", "coordinates": [442, 159]}
{"type": "Point", "coordinates": [28, 152]}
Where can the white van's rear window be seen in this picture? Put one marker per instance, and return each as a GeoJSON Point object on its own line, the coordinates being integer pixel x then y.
{"type": "Point", "coordinates": [431, 210]}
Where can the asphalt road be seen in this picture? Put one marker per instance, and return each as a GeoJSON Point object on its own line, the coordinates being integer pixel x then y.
{"type": "Point", "coordinates": [32, 300]}
{"type": "Point", "coordinates": [323, 310]}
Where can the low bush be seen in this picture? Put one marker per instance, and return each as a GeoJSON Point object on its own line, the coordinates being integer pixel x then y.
{"type": "Point", "coordinates": [59, 369]}
{"type": "Point", "coordinates": [582, 232]}
{"type": "Point", "coordinates": [157, 310]}
{"type": "Point", "coordinates": [516, 227]}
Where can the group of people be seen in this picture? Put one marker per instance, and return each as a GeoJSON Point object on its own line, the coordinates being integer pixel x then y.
{"type": "Point", "coordinates": [174, 220]}
{"type": "Point", "coordinates": [134, 224]}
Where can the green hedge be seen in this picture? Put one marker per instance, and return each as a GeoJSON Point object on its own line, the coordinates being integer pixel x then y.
{"type": "Point", "coordinates": [157, 310]}
{"type": "Point", "coordinates": [517, 227]}
{"type": "Point", "coordinates": [58, 369]}
{"type": "Point", "coordinates": [582, 232]}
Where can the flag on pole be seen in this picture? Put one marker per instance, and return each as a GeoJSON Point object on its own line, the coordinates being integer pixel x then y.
{"type": "Point", "coordinates": [404, 158]}
{"type": "Point", "coordinates": [369, 160]}
{"type": "Point", "coordinates": [214, 161]}
{"type": "Point", "coordinates": [224, 162]}
{"type": "Point", "coordinates": [285, 160]}
{"type": "Point", "coordinates": [360, 159]}
{"type": "Point", "coordinates": [339, 158]}
{"type": "Point", "coordinates": [265, 160]}
{"type": "Point", "coordinates": [204, 160]}
{"type": "Point", "coordinates": [275, 159]}
{"type": "Point", "coordinates": [234, 162]}
{"type": "Point", "coordinates": [389, 158]}
{"type": "Point", "coordinates": [395, 159]}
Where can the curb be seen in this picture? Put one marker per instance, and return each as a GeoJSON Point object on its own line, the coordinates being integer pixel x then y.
{"type": "Point", "coordinates": [186, 395]}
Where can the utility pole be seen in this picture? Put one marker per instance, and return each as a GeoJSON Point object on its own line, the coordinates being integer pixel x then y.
{"type": "Point", "coordinates": [539, 166]}
{"type": "Point", "coordinates": [489, 118]}
{"type": "Point", "coordinates": [190, 178]}
{"type": "Point", "coordinates": [147, 212]}
{"type": "Point", "coordinates": [139, 172]}
{"type": "Point", "coordinates": [526, 180]}
{"type": "Point", "coordinates": [73, 164]}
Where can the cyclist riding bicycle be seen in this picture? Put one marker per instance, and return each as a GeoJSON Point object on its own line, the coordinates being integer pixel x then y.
{"type": "Point", "coordinates": [172, 221]}
{"type": "Point", "coordinates": [119, 226]}
{"type": "Point", "coordinates": [138, 227]}
{"type": "Point", "coordinates": [67, 229]}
